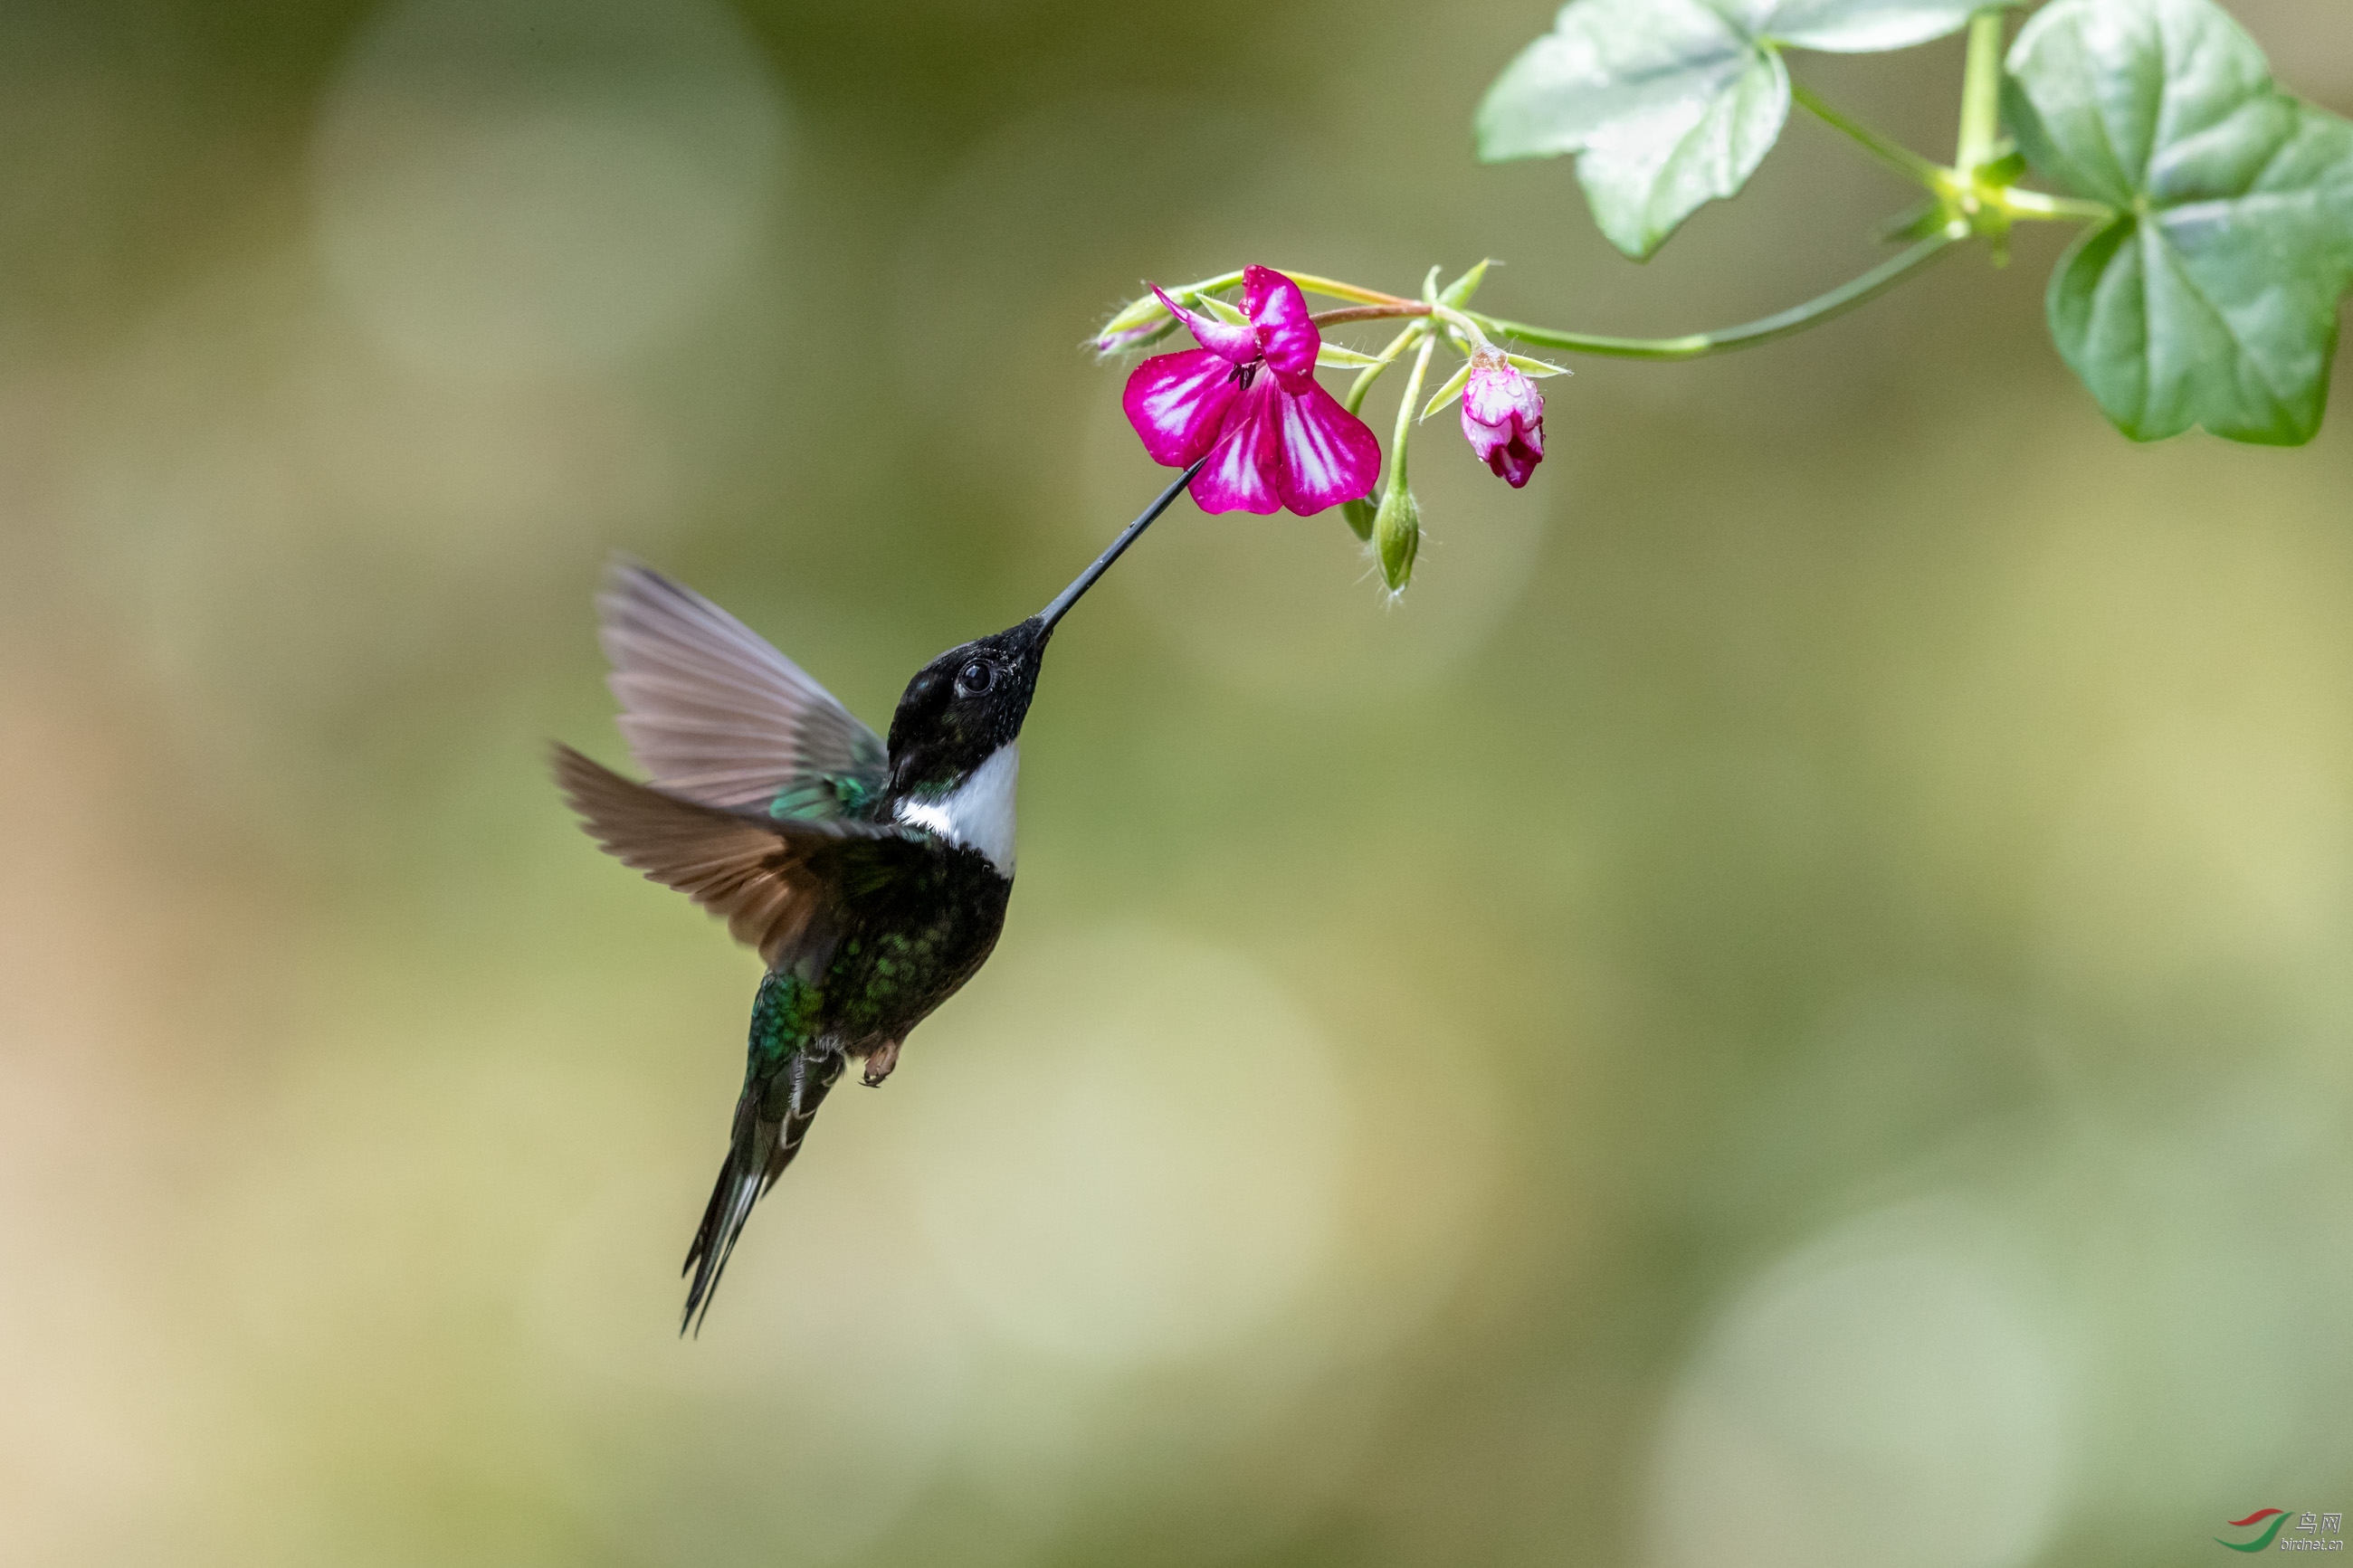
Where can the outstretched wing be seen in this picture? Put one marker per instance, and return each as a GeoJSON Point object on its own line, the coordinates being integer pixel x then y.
{"type": "Point", "coordinates": [717, 715]}
{"type": "Point", "coordinates": [777, 882]}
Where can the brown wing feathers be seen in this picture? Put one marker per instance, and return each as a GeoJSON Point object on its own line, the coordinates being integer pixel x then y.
{"type": "Point", "coordinates": [751, 872]}
{"type": "Point", "coordinates": [710, 709]}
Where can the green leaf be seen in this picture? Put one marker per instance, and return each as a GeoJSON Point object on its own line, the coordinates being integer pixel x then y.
{"type": "Point", "coordinates": [1336, 356]}
{"type": "Point", "coordinates": [2005, 169]}
{"type": "Point", "coordinates": [1448, 392]}
{"type": "Point", "coordinates": [1670, 104]}
{"type": "Point", "coordinates": [1856, 26]}
{"type": "Point", "coordinates": [1457, 293]}
{"type": "Point", "coordinates": [2211, 298]}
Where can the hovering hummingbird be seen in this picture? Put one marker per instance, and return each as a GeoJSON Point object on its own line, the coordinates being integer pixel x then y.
{"type": "Point", "coordinates": [872, 881]}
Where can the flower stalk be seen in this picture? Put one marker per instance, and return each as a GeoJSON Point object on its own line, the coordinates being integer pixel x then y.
{"type": "Point", "coordinates": [1920, 171]}
{"type": "Point", "coordinates": [1978, 188]}
{"type": "Point", "coordinates": [1396, 528]}
{"type": "Point", "coordinates": [1361, 513]}
{"type": "Point", "coordinates": [1698, 345]}
{"type": "Point", "coordinates": [1371, 312]}
{"type": "Point", "coordinates": [1981, 131]}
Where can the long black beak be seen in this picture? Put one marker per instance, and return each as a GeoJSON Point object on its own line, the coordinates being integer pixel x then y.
{"type": "Point", "coordinates": [1069, 596]}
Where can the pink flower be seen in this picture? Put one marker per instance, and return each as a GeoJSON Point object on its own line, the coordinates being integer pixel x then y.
{"type": "Point", "coordinates": [1502, 417]}
{"type": "Point", "coordinates": [1249, 399]}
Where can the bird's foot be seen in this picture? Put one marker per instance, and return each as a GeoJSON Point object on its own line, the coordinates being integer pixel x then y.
{"type": "Point", "coordinates": [880, 1062]}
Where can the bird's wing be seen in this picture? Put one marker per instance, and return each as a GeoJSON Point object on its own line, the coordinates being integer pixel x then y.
{"type": "Point", "coordinates": [777, 882]}
{"type": "Point", "coordinates": [717, 715]}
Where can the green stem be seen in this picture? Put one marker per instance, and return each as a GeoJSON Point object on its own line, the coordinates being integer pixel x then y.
{"type": "Point", "coordinates": [1331, 288]}
{"type": "Point", "coordinates": [1406, 406]}
{"type": "Point", "coordinates": [1980, 94]}
{"type": "Point", "coordinates": [2041, 208]}
{"type": "Point", "coordinates": [1372, 373]}
{"type": "Point", "coordinates": [1459, 321]}
{"type": "Point", "coordinates": [1206, 285]}
{"type": "Point", "coordinates": [1838, 301]}
{"type": "Point", "coordinates": [1894, 154]}
{"type": "Point", "coordinates": [1470, 338]}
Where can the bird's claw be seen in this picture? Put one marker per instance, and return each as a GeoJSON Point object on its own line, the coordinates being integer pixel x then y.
{"type": "Point", "coordinates": [880, 1063]}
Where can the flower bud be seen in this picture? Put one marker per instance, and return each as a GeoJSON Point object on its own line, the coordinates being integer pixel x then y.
{"type": "Point", "coordinates": [1397, 537]}
{"type": "Point", "coordinates": [1116, 338]}
{"type": "Point", "coordinates": [1502, 417]}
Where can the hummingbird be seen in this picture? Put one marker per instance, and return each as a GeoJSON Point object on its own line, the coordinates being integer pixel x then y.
{"type": "Point", "coordinates": [873, 879]}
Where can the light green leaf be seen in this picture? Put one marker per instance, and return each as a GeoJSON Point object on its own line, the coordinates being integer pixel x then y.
{"type": "Point", "coordinates": [1856, 26]}
{"type": "Point", "coordinates": [1448, 392]}
{"type": "Point", "coordinates": [1535, 367]}
{"type": "Point", "coordinates": [2211, 299]}
{"type": "Point", "coordinates": [1457, 293]}
{"type": "Point", "coordinates": [1333, 356]}
{"type": "Point", "coordinates": [1670, 104]}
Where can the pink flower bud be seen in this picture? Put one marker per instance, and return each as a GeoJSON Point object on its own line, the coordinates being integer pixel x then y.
{"type": "Point", "coordinates": [1109, 342]}
{"type": "Point", "coordinates": [1502, 417]}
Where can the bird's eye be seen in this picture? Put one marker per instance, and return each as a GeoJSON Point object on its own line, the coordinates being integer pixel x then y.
{"type": "Point", "coordinates": [977, 676]}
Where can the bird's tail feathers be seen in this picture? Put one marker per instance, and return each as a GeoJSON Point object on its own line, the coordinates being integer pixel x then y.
{"type": "Point", "coordinates": [771, 1119]}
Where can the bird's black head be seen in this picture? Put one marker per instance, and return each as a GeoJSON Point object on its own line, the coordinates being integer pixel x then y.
{"type": "Point", "coordinates": [964, 705]}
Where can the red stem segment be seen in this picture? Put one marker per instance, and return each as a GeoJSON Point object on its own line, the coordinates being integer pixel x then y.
{"type": "Point", "coordinates": [1368, 313]}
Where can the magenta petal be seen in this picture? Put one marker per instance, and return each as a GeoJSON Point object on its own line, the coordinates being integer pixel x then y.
{"type": "Point", "coordinates": [1279, 311]}
{"type": "Point", "coordinates": [1514, 463]}
{"type": "Point", "coordinates": [1486, 440]}
{"type": "Point", "coordinates": [1239, 345]}
{"type": "Point", "coordinates": [1178, 401]}
{"type": "Point", "coordinates": [1498, 396]}
{"type": "Point", "coordinates": [1328, 455]}
{"type": "Point", "coordinates": [1245, 463]}
{"type": "Point", "coordinates": [1502, 418]}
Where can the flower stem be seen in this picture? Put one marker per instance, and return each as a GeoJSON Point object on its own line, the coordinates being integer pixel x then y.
{"type": "Point", "coordinates": [1838, 301]}
{"type": "Point", "coordinates": [1370, 313]}
{"type": "Point", "coordinates": [1406, 406]}
{"type": "Point", "coordinates": [1355, 400]}
{"type": "Point", "coordinates": [1980, 94]}
{"type": "Point", "coordinates": [1332, 288]}
{"type": "Point", "coordinates": [1360, 513]}
{"type": "Point", "coordinates": [1206, 285]}
{"type": "Point", "coordinates": [1469, 338]}
{"type": "Point", "coordinates": [1128, 327]}
{"type": "Point", "coordinates": [2038, 207]}
{"type": "Point", "coordinates": [1894, 154]}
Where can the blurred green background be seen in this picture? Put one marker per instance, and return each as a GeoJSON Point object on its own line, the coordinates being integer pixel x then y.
{"type": "Point", "coordinates": [1788, 1004]}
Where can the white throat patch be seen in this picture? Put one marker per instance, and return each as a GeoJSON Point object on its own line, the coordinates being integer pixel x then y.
{"type": "Point", "coordinates": [978, 813]}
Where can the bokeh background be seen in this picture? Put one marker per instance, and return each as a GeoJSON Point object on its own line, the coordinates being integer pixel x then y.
{"type": "Point", "coordinates": [1788, 1005]}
